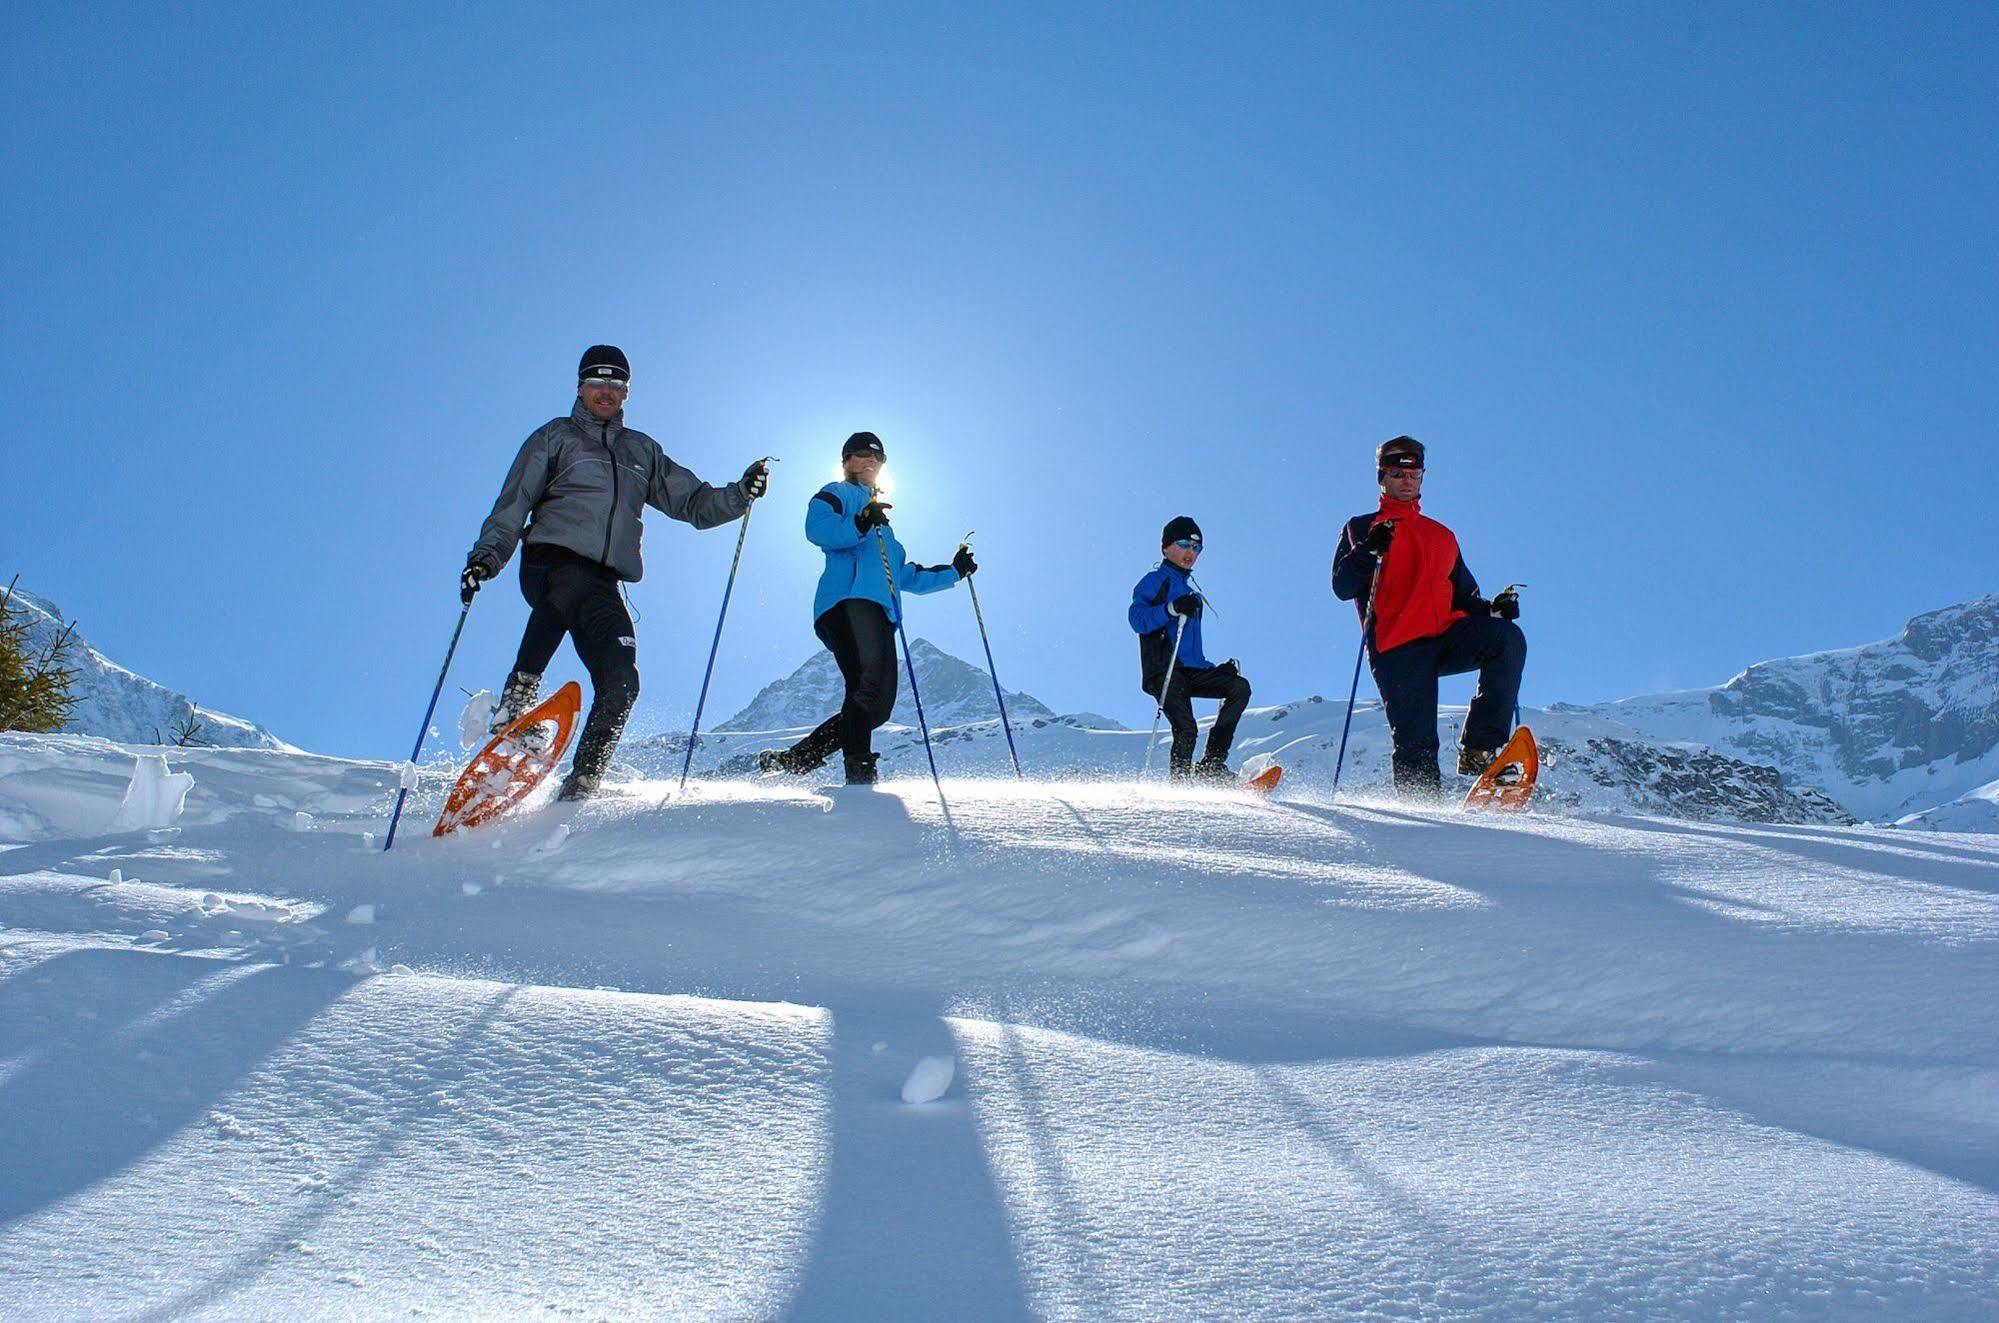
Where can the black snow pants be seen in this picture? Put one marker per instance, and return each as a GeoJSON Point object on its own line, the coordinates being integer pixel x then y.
{"type": "Point", "coordinates": [578, 597]}
{"type": "Point", "coordinates": [863, 643]}
{"type": "Point", "coordinates": [1222, 682]}
{"type": "Point", "coordinates": [1407, 677]}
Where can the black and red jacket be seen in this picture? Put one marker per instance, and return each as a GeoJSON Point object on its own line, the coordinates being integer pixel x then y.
{"type": "Point", "coordinates": [1425, 588]}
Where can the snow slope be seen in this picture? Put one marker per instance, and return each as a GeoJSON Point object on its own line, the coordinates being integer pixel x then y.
{"type": "Point", "coordinates": [117, 704]}
{"type": "Point", "coordinates": [1209, 1057]}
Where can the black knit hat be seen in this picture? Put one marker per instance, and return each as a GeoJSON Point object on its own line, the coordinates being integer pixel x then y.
{"type": "Point", "coordinates": [1177, 527]}
{"type": "Point", "coordinates": [1400, 445]}
{"type": "Point", "coordinates": [604, 363]}
{"type": "Point", "coordinates": [864, 443]}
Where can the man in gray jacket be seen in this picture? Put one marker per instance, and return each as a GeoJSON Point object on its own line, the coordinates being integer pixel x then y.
{"type": "Point", "coordinates": [576, 495]}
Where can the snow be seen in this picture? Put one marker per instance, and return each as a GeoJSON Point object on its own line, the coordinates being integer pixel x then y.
{"type": "Point", "coordinates": [1097, 1051]}
{"type": "Point", "coordinates": [154, 797]}
{"type": "Point", "coordinates": [475, 720]}
{"type": "Point", "coordinates": [930, 1080]}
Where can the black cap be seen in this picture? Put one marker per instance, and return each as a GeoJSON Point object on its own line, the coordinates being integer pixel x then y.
{"type": "Point", "coordinates": [604, 363]}
{"type": "Point", "coordinates": [1397, 452]}
{"type": "Point", "coordinates": [864, 443]}
{"type": "Point", "coordinates": [1177, 527]}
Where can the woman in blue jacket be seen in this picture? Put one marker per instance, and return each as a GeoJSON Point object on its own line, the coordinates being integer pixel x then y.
{"type": "Point", "coordinates": [855, 611]}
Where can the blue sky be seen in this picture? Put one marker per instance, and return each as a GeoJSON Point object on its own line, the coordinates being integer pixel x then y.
{"type": "Point", "coordinates": [1693, 306]}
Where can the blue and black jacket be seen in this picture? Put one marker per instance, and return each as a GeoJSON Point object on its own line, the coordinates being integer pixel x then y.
{"type": "Point", "coordinates": [853, 562]}
{"type": "Point", "coordinates": [1154, 626]}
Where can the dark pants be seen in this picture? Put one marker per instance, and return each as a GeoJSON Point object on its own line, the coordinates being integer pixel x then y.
{"type": "Point", "coordinates": [1407, 677]}
{"type": "Point", "coordinates": [1221, 682]}
{"type": "Point", "coordinates": [863, 643]}
{"type": "Point", "coordinates": [570, 595]}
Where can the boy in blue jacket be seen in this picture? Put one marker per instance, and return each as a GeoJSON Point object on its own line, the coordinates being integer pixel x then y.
{"type": "Point", "coordinates": [854, 611]}
{"type": "Point", "coordinates": [1160, 603]}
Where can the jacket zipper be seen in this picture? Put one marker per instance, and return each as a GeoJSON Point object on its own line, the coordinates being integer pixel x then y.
{"type": "Point", "coordinates": [610, 524]}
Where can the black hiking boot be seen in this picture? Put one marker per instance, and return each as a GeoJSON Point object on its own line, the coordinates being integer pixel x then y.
{"type": "Point", "coordinates": [517, 698]}
{"type": "Point", "coordinates": [1473, 762]}
{"type": "Point", "coordinates": [578, 786]}
{"type": "Point", "coordinates": [789, 762]}
{"type": "Point", "coordinates": [861, 771]}
{"type": "Point", "coordinates": [1215, 770]}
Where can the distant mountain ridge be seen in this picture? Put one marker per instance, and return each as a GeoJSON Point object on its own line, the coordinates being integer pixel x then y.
{"type": "Point", "coordinates": [119, 705]}
{"type": "Point", "coordinates": [954, 692]}
{"type": "Point", "coordinates": [1887, 729]}
{"type": "Point", "coordinates": [1901, 731]}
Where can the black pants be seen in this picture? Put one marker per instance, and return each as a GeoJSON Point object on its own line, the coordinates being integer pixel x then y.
{"type": "Point", "coordinates": [1221, 682]}
{"type": "Point", "coordinates": [1407, 677]}
{"type": "Point", "coordinates": [863, 643]}
{"type": "Point", "coordinates": [571, 595]}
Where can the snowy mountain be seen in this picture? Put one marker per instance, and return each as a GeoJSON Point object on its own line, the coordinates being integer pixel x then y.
{"type": "Point", "coordinates": [1976, 811]}
{"type": "Point", "coordinates": [1888, 730]}
{"type": "Point", "coordinates": [1590, 761]}
{"type": "Point", "coordinates": [118, 705]}
{"type": "Point", "coordinates": [1082, 1051]}
{"type": "Point", "coordinates": [954, 691]}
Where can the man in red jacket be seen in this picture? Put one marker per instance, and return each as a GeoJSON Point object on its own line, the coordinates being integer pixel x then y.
{"type": "Point", "coordinates": [1429, 621]}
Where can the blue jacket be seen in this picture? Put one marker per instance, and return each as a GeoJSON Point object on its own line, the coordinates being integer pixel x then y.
{"type": "Point", "coordinates": [1154, 626]}
{"type": "Point", "coordinates": [854, 563]}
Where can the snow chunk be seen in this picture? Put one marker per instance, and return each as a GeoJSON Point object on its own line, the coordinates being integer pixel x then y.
{"type": "Point", "coordinates": [155, 935]}
{"type": "Point", "coordinates": [929, 1081]}
{"type": "Point", "coordinates": [476, 721]}
{"type": "Point", "coordinates": [555, 839]}
{"type": "Point", "coordinates": [406, 776]}
{"type": "Point", "coordinates": [361, 914]}
{"type": "Point", "coordinates": [301, 821]}
{"type": "Point", "coordinates": [470, 888]}
{"type": "Point", "coordinates": [154, 798]}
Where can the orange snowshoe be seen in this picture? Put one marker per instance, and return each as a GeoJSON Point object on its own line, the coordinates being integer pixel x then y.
{"type": "Point", "coordinates": [513, 762]}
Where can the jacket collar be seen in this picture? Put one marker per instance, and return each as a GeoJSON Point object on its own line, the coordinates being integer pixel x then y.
{"type": "Point", "coordinates": [590, 422]}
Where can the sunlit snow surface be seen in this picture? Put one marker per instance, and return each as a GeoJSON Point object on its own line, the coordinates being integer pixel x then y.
{"type": "Point", "coordinates": [1211, 1057]}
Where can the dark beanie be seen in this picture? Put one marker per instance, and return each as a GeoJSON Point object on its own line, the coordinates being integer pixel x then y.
{"type": "Point", "coordinates": [864, 443]}
{"type": "Point", "coordinates": [604, 363]}
{"type": "Point", "coordinates": [1400, 445]}
{"type": "Point", "coordinates": [1177, 527]}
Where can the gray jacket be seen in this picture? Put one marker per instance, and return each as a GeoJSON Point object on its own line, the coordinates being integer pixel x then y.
{"type": "Point", "coordinates": [585, 484]}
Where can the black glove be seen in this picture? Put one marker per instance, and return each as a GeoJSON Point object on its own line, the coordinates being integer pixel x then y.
{"type": "Point", "coordinates": [1379, 537]}
{"type": "Point", "coordinates": [1186, 604]}
{"type": "Point", "coordinates": [964, 564]}
{"type": "Point", "coordinates": [1229, 669]}
{"type": "Point", "coordinates": [476, 570]}
{"type": "Point", "coordinates": [1507, 605]}
{"type": "Point", "coordinates": [873, 515]}
{"type": "Point", "coordinates": [756, 480]}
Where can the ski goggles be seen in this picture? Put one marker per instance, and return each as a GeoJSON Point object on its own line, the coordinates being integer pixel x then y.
{"type": "Point", "coordinates": [1189, 543]}
{"type": "Point", "coordinates": [605, 383]}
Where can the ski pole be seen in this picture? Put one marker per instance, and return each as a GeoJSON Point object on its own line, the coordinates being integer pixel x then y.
{"type": "Point", "coordinates": [1153, 738]}
{"type": "Point", "coordinates": [694, 734]}
{"type": "Point", "coordinates": [1366, 628]}
{"type": "Point", "coordinates": [980, 616]}
{"type": "Point", "coordinates": [909, 662]}
{"type": "Point", "coordinates": [402, 792]}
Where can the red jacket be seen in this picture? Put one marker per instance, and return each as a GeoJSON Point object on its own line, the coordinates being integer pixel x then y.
{"type": "Point", "coordinates": [1425, 585]}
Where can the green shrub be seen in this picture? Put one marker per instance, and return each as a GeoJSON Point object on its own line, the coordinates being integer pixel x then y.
{"type": "Point", "coordinates": [36, 682]}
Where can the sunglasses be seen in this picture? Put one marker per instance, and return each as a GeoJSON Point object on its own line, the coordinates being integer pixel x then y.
{"type": "Point", "coordinates": [601, 383]}
{"type": "Point", "coordinates": [1189, 543]}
